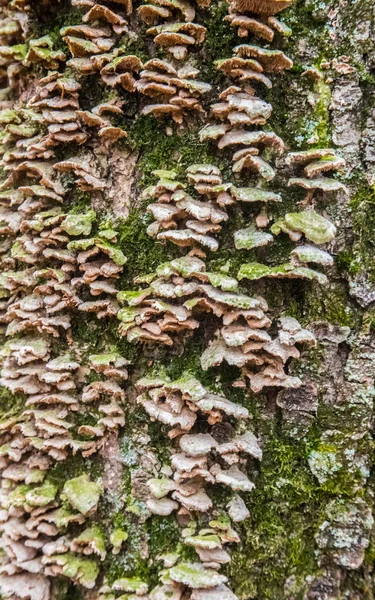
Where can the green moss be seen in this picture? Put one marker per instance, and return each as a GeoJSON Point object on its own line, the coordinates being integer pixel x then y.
{"type": "Point", "coordinates": [330, 304]}
{"type": "Point", "coordinates": [283, 513]}
{"type": "Point", "coordinates": [74, 467]}
{"type": "Point", "coordinates": [145, 255]}
{"type": "Point", "coordinates": [220, 40]}
{"type": "Point", "coordinates": [10, 404]}
{"type": "Point", "coordinates": [170, 152]}
{"type": "Point", "coordinates": [363, 215]}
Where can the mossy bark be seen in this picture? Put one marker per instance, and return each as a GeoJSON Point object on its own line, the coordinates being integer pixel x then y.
{"type": "Point", "coordinates": [309, 531]}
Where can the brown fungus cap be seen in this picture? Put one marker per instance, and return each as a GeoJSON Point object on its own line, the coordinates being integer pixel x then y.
{"type": "Point", "coordinates": [273, 61]}
{"type": "Point", "coordinates": [260, 7]}
{"type": "Point", "coordinates": [248, 25]}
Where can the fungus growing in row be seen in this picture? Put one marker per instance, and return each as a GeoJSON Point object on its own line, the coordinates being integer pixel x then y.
{"type": "Point", "coordinates": [173, 87]}
{"type": "Point", "coordinates": [259, 18]}
{"type": "Point", "coordinates": [88, 179]}
{"type": "Point", "coordinates": [107, 393]}
{"type": "Point", "coordinates": [240, 107]}
{"type": "Point", "coordinates": [176, 404]}
{"type": "Point", "coordinates": [184, 220]}
{"type": "Point", "coordinates": [98, 275]}
{"type": "Point", "coordinates": [199, 580]}
{"type": "Point", "coordinates": [313, 226]}
{"type": "Point", "coordinates": [156, 313]}
{"type": "Point", "coordinates": [178, 37]}
{"type": "Point", "coordinates": [173, 26]}
{"type": "Point", "coordinates": [174, 91]}
{"type": "Point", "coordinates": [177, 293]}
{"type": "Point", "coordinates": [14, 28]}
{"type": "Point", "coordinates": [314, 164]}
{"type": "Point", "coordinates": [244, 342]}
{"type": "Point", "coordinates": [92, 45]}
{"type": "Point", "coordinates": [41, 285]}
{"type": "Point", "coordinates": [247, 157]}
{"type": "Point", "coordinates": [201, 458]}
{"type": "Point", "coordinates": [35, 534]}
{"type": "Point", "coordinates": [57, 100]}
{"type": "Point", "coordinates": [157, 11]}
{"type": "Point", "coordinates": [98, 117]}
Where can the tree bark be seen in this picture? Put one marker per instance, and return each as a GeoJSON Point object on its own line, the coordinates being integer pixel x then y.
{"type": "Point", "coordinates": [187, 400]}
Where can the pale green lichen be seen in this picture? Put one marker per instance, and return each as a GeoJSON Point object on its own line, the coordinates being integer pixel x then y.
{"type": "Point", "coordinates": [324, 464]}
{"type": "Point", "coordinates": [315, 227]}
{"type": "Point", "coordinates": [82, 493]}
{"type": "Point", "coordinates": [250, 238]}
{"type": "Point", "coordinates": [78, 224]}
{"type": "Point", "coordinates": [255, 271]}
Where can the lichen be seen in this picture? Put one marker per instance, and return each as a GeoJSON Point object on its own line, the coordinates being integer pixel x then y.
{"type": "Point", "coordinates": [290, 498]}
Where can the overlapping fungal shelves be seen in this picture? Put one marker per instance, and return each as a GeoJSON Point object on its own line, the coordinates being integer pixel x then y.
{"type": "Point", "coordinates": [170, 83]}
{"type": "Point", "coordinates": [142, 428]}
{"type": "Point", "coordinates": [57, 266]}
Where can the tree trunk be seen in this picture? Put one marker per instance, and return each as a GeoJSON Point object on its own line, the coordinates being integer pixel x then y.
{"type": "Point", "coordinates": [187, 284]}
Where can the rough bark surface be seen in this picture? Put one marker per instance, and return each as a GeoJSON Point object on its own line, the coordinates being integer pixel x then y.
{"type": "Point", "coordinates": [309, 533]}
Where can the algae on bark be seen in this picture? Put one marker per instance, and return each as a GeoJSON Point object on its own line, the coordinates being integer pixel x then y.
{"type": "Point", "coordinates": [78, 410]}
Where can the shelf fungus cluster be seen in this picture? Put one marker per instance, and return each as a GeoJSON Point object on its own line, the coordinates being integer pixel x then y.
{"type": "Point", "coordinates": [310, 167]}
{"type": "Point", "coordinates": [240, 109]}
{"type": "Point", "coordinates": [45, 531]}
{"type": "Point", "coordinates": [183, 220]}
{"type": "Point", "coordinates": [257, 18]}
{"type": "Point", "coordinates": [199, 459]}
{"type": "Point", "coordinates": [171, 83]}
{"type": "Point", "coordinates": [17, 54]}
{"type": "Point", "coordinates": [173, 90]}
{"type": "Point", "coordinates": [182, 580]}
{"type": "Point", "coordinates": [14, 27]}
{"type": "Point", "coordinates": [178, 296]}
{"type": "Point", "coordinates": [95, 43]}
{"type": "Point", "coordinates": [306, 226]}
{"type": "Point", "coordinates": [55, 266]}
{"type": "Point", "coordinates": [172, 26]}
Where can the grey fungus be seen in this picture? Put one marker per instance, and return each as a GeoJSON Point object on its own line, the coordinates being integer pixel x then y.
{"type": "Point", "coordinates": [174, 91]}
{"type": "Point", "coordinates": [72, 268]}
{"type": "Point", "coordinates": [310, 167]}
{"type": "Point", "coordinates": [187, 221]}
{"type": "Point", "coordinates": [42, 284]}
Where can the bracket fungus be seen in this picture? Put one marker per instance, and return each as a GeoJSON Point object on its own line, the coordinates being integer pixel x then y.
{"type": "Point", "coordinates": [43, 283]}
{"type": "Point", "coordinates": [172, 85]}
{"type": "Point", "coordinates": [58, 264]}
{"type": "Point", "coordinates": [178, 37]}
{"type": "Point", "coordinates": [199, 459]}
{"type": "Point", "coordinates": [314, 164]}
{"type": "Point", "coordinates": [185, 220]}
{"type": "Point", "coordinates": [316, 228]}
{"type": "Point", "coordinates": [174, 91]}
{"type": "Point", "coordinates": [244, 342]}
{"type": "Point", "coordinates": [240, 107]}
